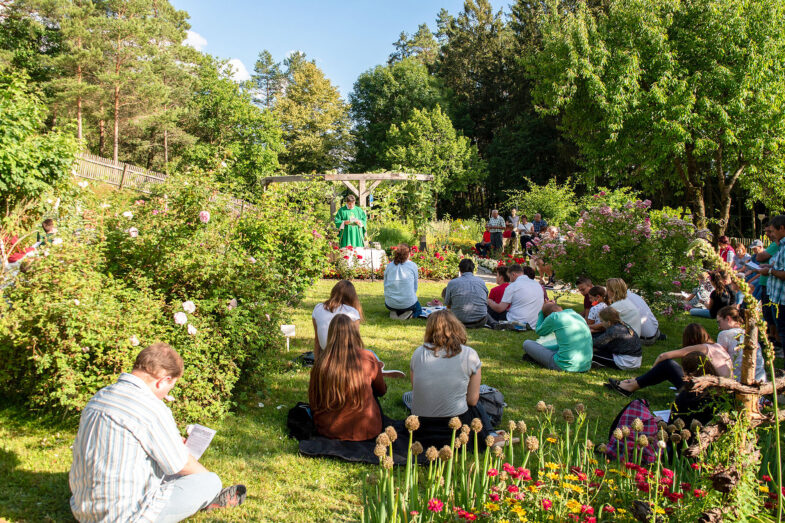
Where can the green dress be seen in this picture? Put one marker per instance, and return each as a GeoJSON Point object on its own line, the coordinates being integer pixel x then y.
{"type": "Point", "coordinates": [351, 234]}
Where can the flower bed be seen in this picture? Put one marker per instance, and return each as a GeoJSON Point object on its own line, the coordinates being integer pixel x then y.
{"type": "Point", "coordinates": [438, 264]}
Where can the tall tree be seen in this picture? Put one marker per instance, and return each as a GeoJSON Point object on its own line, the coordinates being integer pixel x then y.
{"type": "Point", "coordinates": [315, 121]}
{"type": "Point", "coordinates": [268, 79]}
{"type": "Point", "coordinates": [686, 95]}
{"type": "Point", "coordinates": [421, 45]}
{"type": "Point", "coordinates": [386, 95]}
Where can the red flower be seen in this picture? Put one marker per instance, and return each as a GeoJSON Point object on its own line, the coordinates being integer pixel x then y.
{"type": "Point", "coordinates": [666, 481]}
{"type": "Point", "coordinates": [587, 509]}
{"type": "Point", "coordinates": [345, 257]}
{"type": "Point", "coordinates": [609, 509]}
{"type": "Point", "coordinates": [509, 469]}
{"type": "Point", "coordinates": [493, 472]}
{"type": "Point", "coordinates": [524, 474]}
{"type": "Point", "coordinates": [494, 497]}
{"type": "Point", "coordinates": [468, 516]}
{"type": "Point", "coordinates": [590, 519]}
{"type": "Point", "coordinates": [685, 486]}
{"type": "Point", "coordinates": [668, 473]}
{"type": "Point", "coordinates": [359, 257]}
{"type": "Point", "coordinates": [769, 505]}
{"type": "Point", "coordinates": [547, 504]}
{"type": "Point", "coordinates": [599, 473]}
{"type": "Point", "coordinates": [582, 476]}
{"type": "Point", "coordinates": [643, 487]}
{"type": "Point", "coordinates": [767, 478]}
{"type": "Point", "coordinates": [435, 505]}
{"type": "Point", "coordinates": [698, 493]}
{"type": "Point", "coordinates": [695, 466]}
{"type": "Point", "coordinates": [512, 489]}
{"type": "Point", "coordinates": [630, 466]}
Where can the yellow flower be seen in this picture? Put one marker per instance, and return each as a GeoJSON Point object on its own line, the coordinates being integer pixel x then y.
{"type": "Point", "coordinates": [511, 501]}
{"type": "Point", "coordinates": [551, 440]}
{"type": "Point", "coordinates": [610, 481]}
{"type": "Point", "coordinates": [573, 506]}
{"type": "Point", "coordinates": [493, 507]}
{"type": "Point", "coordinates": [593, 461]}
{"type": "Point", "coordinates": [621, 511]}
{"type": "Point", "coordinates": [551, 465]}
{"type": "Point", "coordinates": [575, 488]}
{"type": "Point", "coordinates": [571, 477]}
{"type": "Point", "coordinates": [613, 470]}
{"type": "Point", "coordinates": [552, 476]}
{"type": "Point", "coordinates": [504, 521]}
{"type": "Point", "coordinates": [764, 489]}
{"type": "Point", "coordinates": [532, 488]}
{"type": "Point", "coordinates": [518, 511]}
{"type": "Point", "coordinates": [659, 510]}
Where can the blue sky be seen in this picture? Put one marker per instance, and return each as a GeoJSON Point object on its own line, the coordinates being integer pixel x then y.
{"type": "Point", "coordinates": [345, 37]}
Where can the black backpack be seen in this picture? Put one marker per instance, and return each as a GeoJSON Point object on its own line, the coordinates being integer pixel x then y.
{"type": "Point", "coordinates": [300, 422]}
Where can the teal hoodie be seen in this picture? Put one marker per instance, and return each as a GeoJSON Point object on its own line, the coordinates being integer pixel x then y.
{"type": "Point", "coordinates": [574, 352]}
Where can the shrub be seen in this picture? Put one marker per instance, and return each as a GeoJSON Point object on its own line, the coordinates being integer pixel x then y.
{"type": "Point", "coordinates": [391, 233]}
{"type": "Point", "coordinates": [556, 202]}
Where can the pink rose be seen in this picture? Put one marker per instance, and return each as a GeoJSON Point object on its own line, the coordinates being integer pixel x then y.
{"type": "Point", "coordinates": [191, 329]}
{"type": "Point", "coordinates": [133, 232]}
{"type": "Point", "coordinates": [606, 248]}
{"type": "Point", "coordinates": [204, 216]}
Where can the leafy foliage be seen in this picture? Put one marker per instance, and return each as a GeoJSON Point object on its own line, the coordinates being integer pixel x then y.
{"type": "Point", "coordinates": [554, 201]}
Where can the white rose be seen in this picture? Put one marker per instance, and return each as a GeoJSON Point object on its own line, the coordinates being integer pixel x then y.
{"type": "Point", "coordinates": [180, 318]}
{"type": "Point", "coordinates": [134, 341]}
{"type": "Point", "coordinates": [191, 329]}
{"type": "Point", "coordinates": [76, 302]}
{"type": "Point", "coordinates": [189, 307]}
{"type": "Point", "coordinates": [128, 214]}
{"type": "Point", "coordinates": [57, 241]}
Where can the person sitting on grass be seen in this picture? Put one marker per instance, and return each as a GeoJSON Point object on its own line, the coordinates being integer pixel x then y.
{"type": "Point", "coordinates": [573, 352]}
{"type": "Point", "coordinates": [48, 236]}
{"type": "Point", "coordinates": [400, 286]}
{"type": "Point", "coordinates": [522, 299]}
{"type": "Point", "coordinates": [446, 377]}
{"type": "Point", "coordinates": [616, 296]}
{"type": "Point", "coordinates": [617, 347]}
{"type": "Point", "coordinates": [529, 273]}
{"type": "Point", "coordinates": [730, 320]}
{"type": "Point", "coordinates": [694, 338]}
{"type": "Point", "coordinates": [497, 293]}
{"type": "Point", "coordinates": [700, 295]}
{"type": "Point", "coordinates": [345, 381]}
{"type": "Point", "coordinates": [484, 247]}
{"type": "Point", "coordinates": [597, 296]}
{"type": "Point", "coordinates": [584, 285]}
{"type": "Point", "coordinates": [650, 326]}
{"type": "Point", "coordinates": [720, 297]}
{"type": "Point", "coordinates": [690, 405]}
{"type": "Point", "coordinates": [130, 462]}
{"type": "Point", "coordinates": [467, 296]}
{"type": "Point", "coordinates": [343, 300]}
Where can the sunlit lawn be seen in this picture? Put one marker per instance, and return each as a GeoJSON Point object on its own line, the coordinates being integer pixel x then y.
{"type": "Point", "coordinates": [251, 445]}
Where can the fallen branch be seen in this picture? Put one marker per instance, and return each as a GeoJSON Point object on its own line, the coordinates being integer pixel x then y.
{"type": "Point", "coordinates": [701, 383]}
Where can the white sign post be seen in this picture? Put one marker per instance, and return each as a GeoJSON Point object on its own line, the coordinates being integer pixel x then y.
{"type": "Point", "coordinates": [288, 331]}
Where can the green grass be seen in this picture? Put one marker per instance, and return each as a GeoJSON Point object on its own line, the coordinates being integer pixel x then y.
{"type": "Point", "coordinates": [251, 445]}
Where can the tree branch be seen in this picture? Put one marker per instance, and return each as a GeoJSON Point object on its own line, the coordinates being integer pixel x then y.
{"type": "Point", "coordinates": [702, 383]}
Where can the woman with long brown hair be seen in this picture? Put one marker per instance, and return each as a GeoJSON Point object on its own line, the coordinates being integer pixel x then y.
{"type": "Point", "coordinates": [343, 300]}
{"type": "Point", "coordinates": [345, 379]}
{"type": "Point", "coordinates": [694, 339]}
{"type": "Point", "coordinates": [400, 285]}
{"type": "Point", "coordinates": [446, 378]}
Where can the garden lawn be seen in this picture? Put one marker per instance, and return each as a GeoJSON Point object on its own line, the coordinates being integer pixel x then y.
{"type": "Point", "coordinates": [251, 446]}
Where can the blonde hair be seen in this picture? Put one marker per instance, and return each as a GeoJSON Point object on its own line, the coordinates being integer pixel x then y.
{"type": "Point", "coordinates": [617, 287]}
{"type": "Point", "coordinates": [337, 379]}
{"type": "Point", "coordinates": [444, 331]}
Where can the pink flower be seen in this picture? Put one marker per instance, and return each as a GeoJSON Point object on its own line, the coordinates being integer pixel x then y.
{"type": "Point", "coordinates": [191, 329]}
{"type": "Point", "coordinates": [204, 216]}
{"type": "Point", "coordinates": [494, 497]}
{"type": "Point", "coordinates": [677, 283]}
{"type": "Point", "coordinates": [493, 472]}
{"type": "Point", "coordinates": [606, 248]}
{"type": "Point", "coordinates": [547, 504]}
{"type": "Point", "coordinates": [602, 193]}
{"type": "Point", "coordinates": [359, 257]}
{"type": "Point", "coordinates": [512, 489]}
{"type": "Point", "coordinates": [232, 304]}
{"type": "Point", "coordinates": [316, 234]}
{"type": "Point", "coordinates": [766, 478]}
{"type": "Point", "coordinates": [267, 316]}
{"type": "Point", "coordinates": [668, 473]}
{"type": "Point", "coordinates": [435, 505]}
{"type": "Point", "coordinates": [133, 232]}
{"type": "Point", "coordinates": [180, 318]}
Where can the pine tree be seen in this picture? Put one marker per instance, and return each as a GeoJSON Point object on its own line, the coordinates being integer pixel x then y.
{"type": "Point", "coordinates": [268, 79]}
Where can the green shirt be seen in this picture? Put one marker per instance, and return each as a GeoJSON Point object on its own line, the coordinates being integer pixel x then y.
{"type": "Point", "coordinates": [351, 233]}
{"type": "Point", "coordinates": [574, 352]}
{"type": "Point", "coordinates": [771, 249]}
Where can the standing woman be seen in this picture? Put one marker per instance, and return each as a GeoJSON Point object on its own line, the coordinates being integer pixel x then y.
{"type": "Point", "coordinates": [446, 378]}
{"type": "Point", "coordinates": [345, 381]}
{"type": "Point", "coordinates": [343, 300]}
{"type": "Point", "coordinates": [616, 296]}
{"type": "Point", "coordinates": [400, 286]}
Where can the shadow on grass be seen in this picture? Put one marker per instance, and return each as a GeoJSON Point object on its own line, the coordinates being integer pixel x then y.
{"type": "Point", "coordinates": [32, 496]}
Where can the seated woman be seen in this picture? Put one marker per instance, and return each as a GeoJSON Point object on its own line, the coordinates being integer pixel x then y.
{"type": "Point", "coordinates": [618, 347]}
{"type": "Point", "coordinates": [616, 296]}
{"type": "Point", "coordinates": [597, 297]}
{"type": "Point", "coordinates": [400, 286]}
{"type": "Point", "coordinates": [731, 337]}
{"type": "Point", "coordinates": [497, 293]}
{"type": "Point", "coordinates": [573, 350]}
{"type": "Point", "coordinates": [722, 296]}
{"type": "Point", "coordinates": [446, 377]}
{"type": "Point", "coordinates": [345, 381]}
{"type": "Point", "coordinates": [343, 300]}
{"type": "Point", "coordinates": [741, 259]}
{"type": "Point", "coordinates": [694, 338]}
{"type": "Point", "coordinates": [690, 405]}
{"type": "Point", "coordinates": [700, 296]}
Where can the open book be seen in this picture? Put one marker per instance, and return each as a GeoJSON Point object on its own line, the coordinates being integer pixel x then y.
{"type": "Point", "coordinates": [752, 265]}
{"type": "Point", "coordinates": [199, 438]}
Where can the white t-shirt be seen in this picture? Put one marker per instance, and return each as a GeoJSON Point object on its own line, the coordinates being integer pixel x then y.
{"type": "Point", "coordinates": [440, 384]}
{"type": "Point", "coordinates": [526, 228]}
{"type": "Point", "coordinates": [525, 298]}
{"type": "Point", "coordinates": [323, 317]}
{"type": "Point", "coordinates": [629, 314]}
{"type": "Point", "coordinates": [733, 338]}
{"type": "Point", "coordinates": [594, 312]}
{"type": "Point", "coordinates": [627, 362]}
{"type": "Point", "coordinates": [649, 324]}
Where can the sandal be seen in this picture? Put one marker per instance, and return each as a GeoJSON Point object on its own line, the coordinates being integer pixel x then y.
{"type": "Point", "coordinates": [615, 384]}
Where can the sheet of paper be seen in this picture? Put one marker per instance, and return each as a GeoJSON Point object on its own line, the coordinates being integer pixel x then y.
{"type": "Point", "coordinates": [753, 266]}
{"type": "Point", "coordinates": [664, 415]}
{"type": "Point", "coordinates": [199, 438]}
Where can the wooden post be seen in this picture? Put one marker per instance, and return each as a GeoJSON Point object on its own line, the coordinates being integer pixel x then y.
{"type": "Point", "coordinates": [363, 196]}
{"type": "Point", "coordinates": [122, 178]}
{"type": "Point", "coordinates": [333, 210]}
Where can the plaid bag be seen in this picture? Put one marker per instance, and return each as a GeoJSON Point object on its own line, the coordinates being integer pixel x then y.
{"type": "Point", "coordinates": [638, 408]}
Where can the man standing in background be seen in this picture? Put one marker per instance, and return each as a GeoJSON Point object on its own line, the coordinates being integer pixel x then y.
{"type": "Point", "coordinates": [496, 225]}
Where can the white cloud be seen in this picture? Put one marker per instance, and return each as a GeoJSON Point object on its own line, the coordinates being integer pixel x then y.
{"type": "Point", "coordinates": [239, 72]}
{"type": "Point", "coordinates": [195, 40]}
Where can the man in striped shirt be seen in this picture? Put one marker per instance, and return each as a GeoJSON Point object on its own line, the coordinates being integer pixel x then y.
{"type": "Point", "coordinates": [497, 225]}
{"type": "Point", "coordinates": [130, 462]}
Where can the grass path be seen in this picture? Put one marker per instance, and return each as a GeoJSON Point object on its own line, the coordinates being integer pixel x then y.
{"type": "Point", "coordinates": [251, 445]}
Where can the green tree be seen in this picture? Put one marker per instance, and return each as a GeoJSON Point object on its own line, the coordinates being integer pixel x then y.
{"type": "Point", "coordinates": [680, 95]}
{"type": "Point", "coordinates": [314, 119]}
{"type": "Point", "coordinates": [555, 201]}
{"type": "Point", "coordinates": [268, 79]}
{"type": "Point", "coordinates": [422, 46]}
{"type": "Point", "coordinates": [388, 95]}
{"type": "Point", "coordinates": [31, 159]}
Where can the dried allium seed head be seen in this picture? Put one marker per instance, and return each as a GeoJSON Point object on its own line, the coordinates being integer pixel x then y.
{"type": "Point", "coordinates": [618, 434]}
{"type": "Point", "coordinates": [541, 407]}
{"type": "Point", "coordinates": [637, 425]}
{"type": "Point", "coordinates": [476, 425]}
{"type": "Point", "coordinates": [643, 441]}
{"type": "Point", "coordinates": [497, 452]}
{"type": "Point", "coordinates": [580, 408]}
{"type": "Point", "coordinates": [489, 441]}
{"type": "Point", "coordinates": [662, 435]}
{"type": "Point", "coordinates": [671, 429]}
{"type": "Point", "coordinates": [625, 430]}
{"type": "Point", "coordinates": [679, 423]}
{"type": "Point", "coordinates": [464, 438]}
{"type": "Point", "coordinates": [503, 474]}
{"type": "Point", "coordinates": [512, 426]}
{"type": "Point", "coordinates": [532, 443]}
{"type": "Point", "coordinates": [445, 454]}
{"type": "Point", "coordinates": [661, 425]}
{"type": "Point", "coordinates": [457, 443]}
{"type": "Point", "coordinates": [454, 424]}
{"type": "Point", "coordinates": [675, 438]}
{"type": "Point", "coordinates": [465, 429]}
{"type": "Point", "coordinates": [379, 451]}
{"type": "Point", "coordinates": [431, 454]}
{"type": "Point", "coordinates": [521, 427]}
{"type": "Point", "coordinates": [387, 462]}
{"type": "Point", "coordinates": [550, 409]}
{"type": "Point", "coordinates": [696, 426]}
{"type": "Point", "coordinates": [383, 439]}
{"type": "Point", "coordinates": [412, 423]}
{"type": "Point", "coordinates": [589, 444]}
{"type": "Point", "coordinates": [603, 448]}
{"type": "Point", "coordinates": [391, 433]}
{"type": "Point", "coordinates": [686, 434]}
{"type": "Point", "coordinates": [416, 448]}
{"type": "Point", "coordinates": [568, 416]}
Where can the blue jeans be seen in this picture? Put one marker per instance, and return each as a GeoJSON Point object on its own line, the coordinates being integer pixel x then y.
{"type": "Point", "coordinates": [541, 354]}
{"type": "Point", "coordinates": [701, 313]}
{"type": "Point", "coordinates": [416, 309]}
{"type": "Point", "coordinates": [190, 494]}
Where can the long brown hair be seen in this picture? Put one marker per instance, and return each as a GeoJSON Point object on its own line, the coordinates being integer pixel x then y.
{"type": "Point", "coordinates": [698, 364]}
{"type": "Point", "coordinates": [401, 254]}
{"type": "Point", "coordinates": [343, 293]}
{"type": "Point", "coordinates": [695, 334]}
{"type": "Point", "coordinates": [445, 331]}
{"type": "Point", "coordinates": [337, 380]}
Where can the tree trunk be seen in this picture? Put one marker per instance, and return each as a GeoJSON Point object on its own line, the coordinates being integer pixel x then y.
{"type": "Point", "coordinates": [116, 143]}
{"type": "Point", "coordinates": [166, 150]}
{"type": "Point", "coordinates": [79, 96]}
{"type": "Point", "coordinates": [695, 192]}
{"type": "Point", "coordinates": [101, 136]}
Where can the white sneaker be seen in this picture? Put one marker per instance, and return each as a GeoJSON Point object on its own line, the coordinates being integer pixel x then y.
{"type": "Point", "coordinates": [394, 315]}
{"type": "Point", "coordinates": [405, 316]}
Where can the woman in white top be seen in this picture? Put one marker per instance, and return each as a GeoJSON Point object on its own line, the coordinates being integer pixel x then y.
{"type": "Point", "coordinates": [400, 285]}
{"type": "Point", "coordinates": [731, 337]}
{"type": "Point", "coordinates": [616, 291]}
{"type": "Point", "coordinates": [343, 300]}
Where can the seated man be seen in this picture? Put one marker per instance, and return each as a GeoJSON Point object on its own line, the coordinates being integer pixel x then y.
{"type": "Point", "coordinates": [573, 350]}
{"type": "Point", "coordinates": [584, 285]}
{"type": "Point", "coordinates": [522, 299]}
{"type": "Point", "coordinates": [466, 296]}
{"type": "Point", "coordinates": [484, 247]}
{"type": "Point", "coordinates": [130, 463]}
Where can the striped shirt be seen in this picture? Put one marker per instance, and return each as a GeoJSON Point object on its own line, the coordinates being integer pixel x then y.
{"type": "Point", "coordinates": [127, 442]}
{"type": "Point", "coordinates": [497, 224]}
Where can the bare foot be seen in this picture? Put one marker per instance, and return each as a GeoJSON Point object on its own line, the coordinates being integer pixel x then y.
{"type": "Point", "coordinates": [629, 385]}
